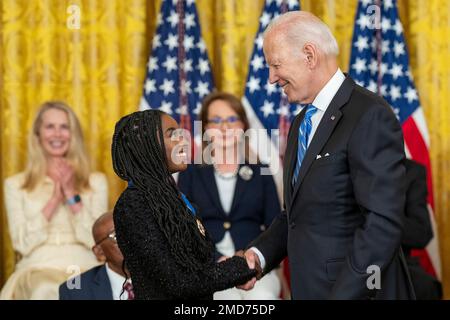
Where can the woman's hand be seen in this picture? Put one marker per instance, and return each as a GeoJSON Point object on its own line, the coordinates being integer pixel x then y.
{"type": "Point", "coordinates": [57, 192]}
{"type": "Point", "coordinates": [67, 175]}
{"type": "Point", "coordinates": [67, 178]}
{"type": "Point", "coordinates": [54, 202]}
{"type": "Point", "coordinates": [54, 173]}
{"type": "Point", "coordinates": [240, 253]}
{"type": "Point", "coordinates": [223, 258]}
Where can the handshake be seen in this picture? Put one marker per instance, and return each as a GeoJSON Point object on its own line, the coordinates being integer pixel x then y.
{"type": "Point", "coordinates": [253, 263]}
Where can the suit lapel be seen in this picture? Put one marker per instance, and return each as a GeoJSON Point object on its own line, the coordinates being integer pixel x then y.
{"type": "Point", "coordinates": [102, 288]}
{"type": "Point", "coordinates": [207, 174]}
{"type": "Point", "coordinates": [326, 127]}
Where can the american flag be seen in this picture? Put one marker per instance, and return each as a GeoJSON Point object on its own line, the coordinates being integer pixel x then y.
{"type": "Point", "coordinates": [178, 70]}
{"type": "Point", "coordinates": [265, 104]}
{"type": "Point", "coordinates": [380, 62]}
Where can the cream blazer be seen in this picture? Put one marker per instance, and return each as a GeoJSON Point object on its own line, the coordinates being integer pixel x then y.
{"type": "Point", "coordinates": [51, 250]}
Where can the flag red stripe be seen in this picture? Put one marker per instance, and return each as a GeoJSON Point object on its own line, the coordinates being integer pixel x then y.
{"type": "Point", "coordinates": [425, 261]}
{"type": "Point", "coordinates": [419, 152]}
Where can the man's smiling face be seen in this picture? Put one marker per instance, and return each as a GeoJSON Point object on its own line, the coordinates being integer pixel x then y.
{"type": "Point", "coordinates": [288, 67]}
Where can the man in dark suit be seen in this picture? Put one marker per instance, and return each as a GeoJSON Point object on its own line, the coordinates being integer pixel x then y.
{"type": "Point", "coordinates": [344, 178]}
{"type": "Point", "coordinates": [103, 282]}
{"type": "Point", "coordinates": [418, 232]}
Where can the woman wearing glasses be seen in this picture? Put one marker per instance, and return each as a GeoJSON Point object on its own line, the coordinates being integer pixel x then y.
{"type": "Point", "coordinates": [235, 201]}
{"type": "Point", "coordinates": [166, 249]}
{"type": "Point", "coordinates": [51, 206]}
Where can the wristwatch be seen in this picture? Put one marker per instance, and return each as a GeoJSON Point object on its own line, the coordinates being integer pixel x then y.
{"type": "Point", "coordinates": [74, 200]}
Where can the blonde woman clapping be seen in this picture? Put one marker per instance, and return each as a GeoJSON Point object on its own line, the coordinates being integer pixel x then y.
{"type": "Point", "coordinates": [51, 207]}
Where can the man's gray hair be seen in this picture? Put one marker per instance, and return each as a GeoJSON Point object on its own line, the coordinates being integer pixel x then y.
{"type": "Point", "coordinates": [302, 27]}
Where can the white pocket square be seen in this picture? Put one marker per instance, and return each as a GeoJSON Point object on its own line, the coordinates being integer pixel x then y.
{"type": "Point", "coordinates": [326, 154]}
{"type": "Point", "coordinates": [318, 156]}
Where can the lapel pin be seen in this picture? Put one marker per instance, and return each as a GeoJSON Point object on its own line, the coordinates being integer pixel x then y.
{"type": "Point", "coordinates": [333, 117]}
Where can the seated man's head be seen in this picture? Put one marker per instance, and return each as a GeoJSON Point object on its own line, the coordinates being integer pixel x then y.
{"type": "Point", "coordinates": [106, 248]}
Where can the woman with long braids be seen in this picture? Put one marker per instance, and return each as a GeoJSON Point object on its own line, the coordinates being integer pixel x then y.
{"type": "Point", "coordinates": [236, 202]}
{"type": "Point", "coordinates": [166, 249]}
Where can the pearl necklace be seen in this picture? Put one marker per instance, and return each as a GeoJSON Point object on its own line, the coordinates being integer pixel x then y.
{"type": "Point", "coordinates": [227, 175]}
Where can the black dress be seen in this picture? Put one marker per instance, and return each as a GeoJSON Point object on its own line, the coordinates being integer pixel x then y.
{"type": "Point", "coordinates": [153, 269]}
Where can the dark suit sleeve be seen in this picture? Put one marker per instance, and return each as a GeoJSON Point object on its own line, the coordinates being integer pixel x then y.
{"type": "Point", "coordinates": [418, 231]}
{"type": "Point", "coordinates": [273, 242]}
{"type": "Point", "coordinates": [376, 162]}
{"type": "Point", "coordinates": [271, 202]}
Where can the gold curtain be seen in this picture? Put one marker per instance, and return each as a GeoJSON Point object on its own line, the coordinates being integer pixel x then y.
{"type": "Point", "coordinates": [99, 68]}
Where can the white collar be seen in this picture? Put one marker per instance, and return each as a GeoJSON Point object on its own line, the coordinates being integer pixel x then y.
{"type": "Point", "coordinates": [116, 281]}
{"type": "Point", "coordinates": [324, 97]}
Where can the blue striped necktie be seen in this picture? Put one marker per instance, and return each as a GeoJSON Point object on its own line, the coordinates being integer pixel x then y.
{"type": "Point", "coordinates": [303, 135]}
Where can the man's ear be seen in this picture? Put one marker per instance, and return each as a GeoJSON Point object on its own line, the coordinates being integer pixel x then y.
{"type": "Point", "coordinates": [310, 52]}
{"type": "Point", "coordinates": [99, 254]}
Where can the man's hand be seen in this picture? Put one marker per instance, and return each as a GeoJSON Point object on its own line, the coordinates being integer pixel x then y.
{"type": "Point", "coordinates": [253, 263]}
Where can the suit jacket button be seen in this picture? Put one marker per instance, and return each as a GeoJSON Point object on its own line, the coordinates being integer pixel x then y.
{"type": "Point", "coordinates": [226, 225]}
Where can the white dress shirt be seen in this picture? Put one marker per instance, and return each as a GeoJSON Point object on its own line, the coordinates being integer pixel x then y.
{"type": "Point", "coordinates": [321, 102]}
{"type": "Point", "coordinates": [226, 187]}
{"type": "Point", "coordinates": [117, 281]}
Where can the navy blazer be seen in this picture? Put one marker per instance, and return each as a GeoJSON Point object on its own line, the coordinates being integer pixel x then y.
{"type": "Point", "coordinates": [95, 285]}
{"type": "Point", "coordinates": [255, 203]}
{"type": "Point", "coordinates": [346, 210]}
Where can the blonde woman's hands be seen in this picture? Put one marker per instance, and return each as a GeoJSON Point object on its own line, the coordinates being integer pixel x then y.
{"type": "Point", "coordinates": [67, 179]}
{"type": "Point", "coordinates": [56, 199]}
{"type": "Point", "coordinates": [67, 176]}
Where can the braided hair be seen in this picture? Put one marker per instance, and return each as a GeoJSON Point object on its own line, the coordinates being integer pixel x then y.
{"type": "Point", "coordinates": [138, 155]}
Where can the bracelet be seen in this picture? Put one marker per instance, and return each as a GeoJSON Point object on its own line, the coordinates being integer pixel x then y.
{"type": "Point", "coordinates": [74, 200]}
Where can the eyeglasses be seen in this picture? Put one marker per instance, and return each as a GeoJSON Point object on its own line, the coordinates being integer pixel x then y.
{"type": "Point", "coordinates": [219, 120]}
{"type": "Point", "coordinates": [111, 236]}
